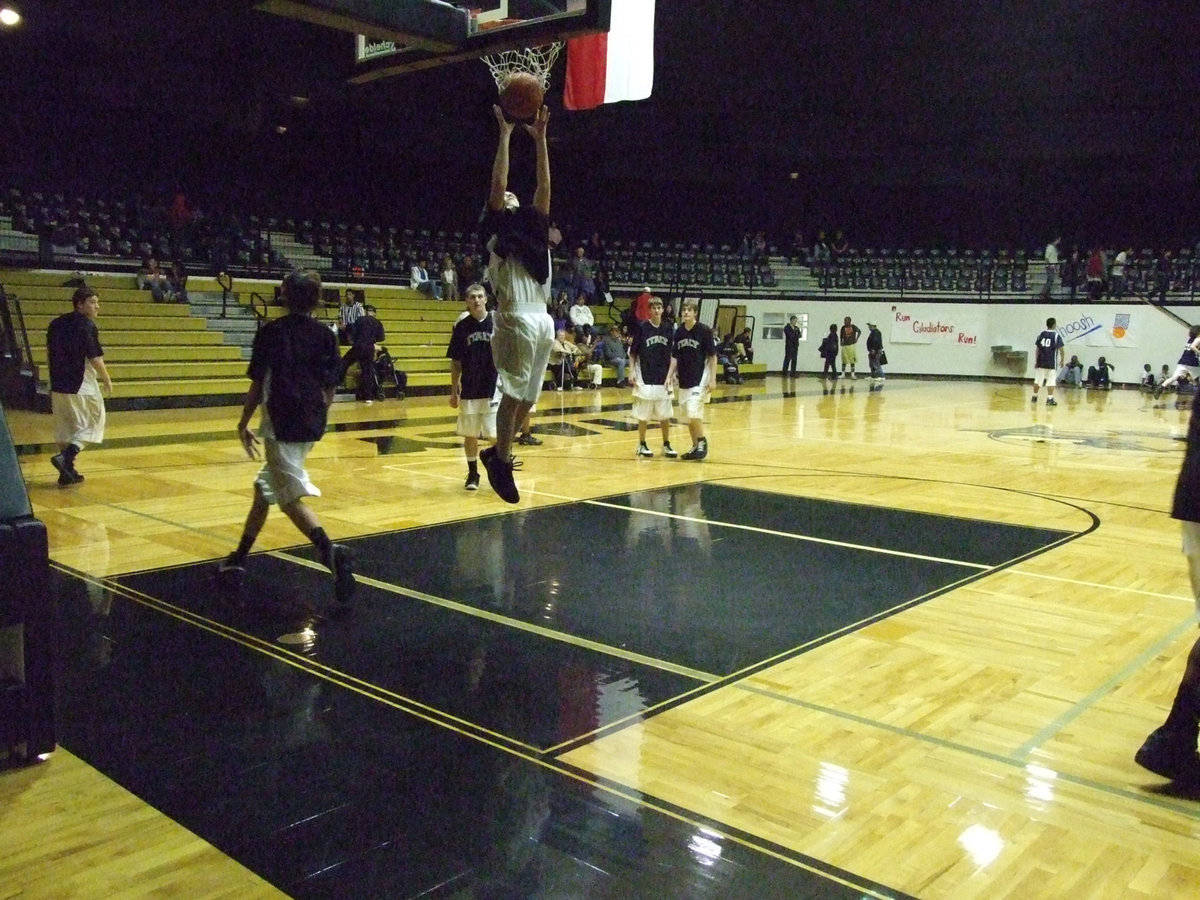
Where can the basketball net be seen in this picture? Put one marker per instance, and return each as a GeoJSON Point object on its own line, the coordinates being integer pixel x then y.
{"type": "Point", "coordinates": [535, 61]}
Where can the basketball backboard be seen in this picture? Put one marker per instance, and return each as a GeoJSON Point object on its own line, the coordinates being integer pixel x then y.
{"type": "Point", "coordinates": [392, 38]}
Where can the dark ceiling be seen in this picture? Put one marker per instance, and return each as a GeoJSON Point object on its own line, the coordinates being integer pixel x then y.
{"type": "Point", "coordinates": [903, 121]}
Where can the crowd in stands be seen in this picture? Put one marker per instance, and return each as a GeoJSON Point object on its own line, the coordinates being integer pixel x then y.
{"type": "Point", "coordinates": [439, 262]}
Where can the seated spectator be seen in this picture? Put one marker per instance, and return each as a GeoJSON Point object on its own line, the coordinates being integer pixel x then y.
{"type": "Point", "coordinates": [449, 279]}
{"type": "Point", "coordinates": [564, 357]}
{"type": "Point", "coordinates": [151, 278]}
{"type": "Point", "coordinates": [821, 253]}
{"type": "Point", "coordinates": [177, 283]}
{"type": "Point", "coordinates": [1149, 382]}
{"type": "Point", "coordinates": [582, 319]}
{"type": "Point", "coordinates": [352, 310]}
{"type": "Point", "coordinates": [366, 338]}
{"type": "Point", "coordinates": [1097, 376]}
{"type": "Point", "coordinates": [727, 358]}
{"type": "Point", "coordinates": [421, 281]}
{"type": "Point", "coordinates": [611, 350]}
{"type": "Point", "coordinates": [554, 236]}
{"type": "Point", "coordinates": [745, 348]}
{"type": "Point", "coordinates": [1072, 373]}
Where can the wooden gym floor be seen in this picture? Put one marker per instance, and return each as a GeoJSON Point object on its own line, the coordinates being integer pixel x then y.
{"type": "Point", "coordinates": [879, 643]}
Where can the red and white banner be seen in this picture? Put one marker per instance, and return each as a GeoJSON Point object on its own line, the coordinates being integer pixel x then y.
{"type": "Point", "coordinates": [619, 65]}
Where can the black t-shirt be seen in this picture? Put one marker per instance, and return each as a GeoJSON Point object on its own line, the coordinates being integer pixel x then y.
{"type": "Point", "coordinates": [471, 345]}
{"type": "Point", "coordinates": [652, 349]}
{"type": "Point", "coordinates": [302, 357]}
{"type": "Point", "coordinates": [692, 350]}
{"type": "Point", "coordinates": [71, 340]}
{"type": "Point", "coordinates": [520, 232]}
{"type": "Point", "coordinates": [367, 330]}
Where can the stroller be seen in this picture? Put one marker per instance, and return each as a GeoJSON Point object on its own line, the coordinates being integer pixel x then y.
{"type": "Point", "coordinates": [386, 376]}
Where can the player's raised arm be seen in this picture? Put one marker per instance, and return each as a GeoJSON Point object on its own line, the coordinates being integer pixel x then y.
{"type": "Point", "coordinates": [499, 186]}
{"type": "Point", "coordinates": [541, 197]}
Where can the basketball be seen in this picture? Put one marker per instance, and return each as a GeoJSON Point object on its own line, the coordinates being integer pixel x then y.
{"type": "Point", "coordinates": [522, 96]}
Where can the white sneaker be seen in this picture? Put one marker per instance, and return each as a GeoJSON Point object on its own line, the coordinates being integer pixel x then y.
{"type": "Point", "coordinates": [643, 450]}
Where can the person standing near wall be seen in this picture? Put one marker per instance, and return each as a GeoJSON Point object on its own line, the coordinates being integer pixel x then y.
{"type": "Point", "coordinates": [1049, 357]}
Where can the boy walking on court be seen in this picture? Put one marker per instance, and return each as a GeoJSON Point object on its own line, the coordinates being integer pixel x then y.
{"type": "Point", "coordinates": [76, 362]}
{"type": "Point", "coordinates": [696, 368]}
{"type": "Point", "coordinates": [652, 373]}
{"type": "Point", "coordinates": [473, 379]}
{"type": "Point", "coordinates": [294, 368]}
{"type": "Point", "coordinates": [519, 270]}
{"type": "Point", "coordinates": [1049, 357]}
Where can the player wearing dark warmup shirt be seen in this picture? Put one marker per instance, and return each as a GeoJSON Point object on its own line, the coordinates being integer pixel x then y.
{"type": "Point", "coordinates": [473, 379]}
{"type": "Point", "coordinates": [652, 374]}
{"type": "Point", "coordinates": [1048, 359]}
{"type": "Point", "coordinates": [695, 354]}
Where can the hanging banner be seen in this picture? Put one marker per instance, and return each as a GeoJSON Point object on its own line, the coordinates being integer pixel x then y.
{"type": "Point", "coordinates": [940, 325]}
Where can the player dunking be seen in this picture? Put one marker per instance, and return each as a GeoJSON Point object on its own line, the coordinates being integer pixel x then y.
{"type": "Point", "coordinates": [519, 267]}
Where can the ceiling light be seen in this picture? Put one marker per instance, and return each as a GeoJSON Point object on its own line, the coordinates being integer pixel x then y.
{"type": "Point", "coordinates": [9, 16]}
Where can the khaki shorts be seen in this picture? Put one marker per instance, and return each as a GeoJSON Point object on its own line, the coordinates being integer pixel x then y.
{"type": "Point", "coordinates": [521, 344]}
{"type": "Point", "coordinates": [477, 418]}
{"type": "Point", "coordinates": [652, 403]}
{"type": "Point", "coordinates": [283, 478]}
{"type": "Point", "coordinates": [850, 355]}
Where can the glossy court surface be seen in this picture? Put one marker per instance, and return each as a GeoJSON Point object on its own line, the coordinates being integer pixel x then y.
{"type": "Point", "coordinates": [879, 643]}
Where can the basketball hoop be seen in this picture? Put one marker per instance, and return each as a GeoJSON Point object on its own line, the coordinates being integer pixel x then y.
{"type": "Point", "coordinates": [535, 61]}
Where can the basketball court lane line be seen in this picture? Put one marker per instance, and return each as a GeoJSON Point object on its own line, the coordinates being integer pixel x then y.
{"type": "Point", "coordinates": [517, 624]}
{"type": "Point", "coordinates": [1091, 585]}
{"type": "Point", "coordinates": [793, 536]}
{"type": "Point", "coordinates": [1061, 721]}
{"type": "Point", "coordinates": [1182, 806]}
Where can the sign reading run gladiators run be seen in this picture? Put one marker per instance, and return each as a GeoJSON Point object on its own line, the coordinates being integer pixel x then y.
{"type": "Point", "coordinates": [935, 325]}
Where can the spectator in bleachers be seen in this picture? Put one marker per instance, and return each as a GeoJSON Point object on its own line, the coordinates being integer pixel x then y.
{"type": "Point", "coordinates": [1051, 267]}
{"type": "Point", "coordinates": [583, 276]}
{"type": "Point", "coordinates": [421, 281]}
{"type": "Point", "coordinates": [744, 342]}
{"type": "Point", "coordinates": [821, 253]}
{"type": "Point", "coordinates": [351, 311]}
{"type": "Point", "coordinates": [449, 279]}
{"type": "Point", "coordinates": [1096, 268]}
{"type": "Point", "coordinates": [1162, 275]}
{"type": "Point", "coordinates": [555, 236]}
{"type": "Point", "coordinates": [560, 312]}
{"type": "Point", "coordinates": [760, 246]}
{"type": "Point", "coordinates": [841, 246]}
{"type": "Point", "coordinates": [612, 350]}
{"type": "Point", "coordinates": [798, 254]}
{"type": "Point", "coordinates": [1123, 258]}
{"type": "Point", "coordinates": [151, 278]}
{"type": "Point", "coordinates": [583, 321]}
{"type": "Point", "coordinates": [177, 283]}
{"type": "Point", "coordinates": [597, 252]}
{"type": "Point", "coordinates": [179, 218]}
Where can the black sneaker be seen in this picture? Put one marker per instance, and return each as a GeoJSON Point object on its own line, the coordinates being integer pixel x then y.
{"type": "Point", "coordinates": [669, 451]}
{"type": "Point", "coordinates": [529, 440]}
{"type": "Point", "coordinates": [1050, 401]}
{"type": "Point", "coordinates": [500, 475]}
{"type": "Point", "coordinates": [698, 452]}
{"type": "Point", "coordinates": [1167, 755]}
{"type": "Point", "coordinates": [342, 565]}
{"type": "Point", "coordinates": [472, 481]}
{"type": "Point", "coordinates": [66, 472]}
